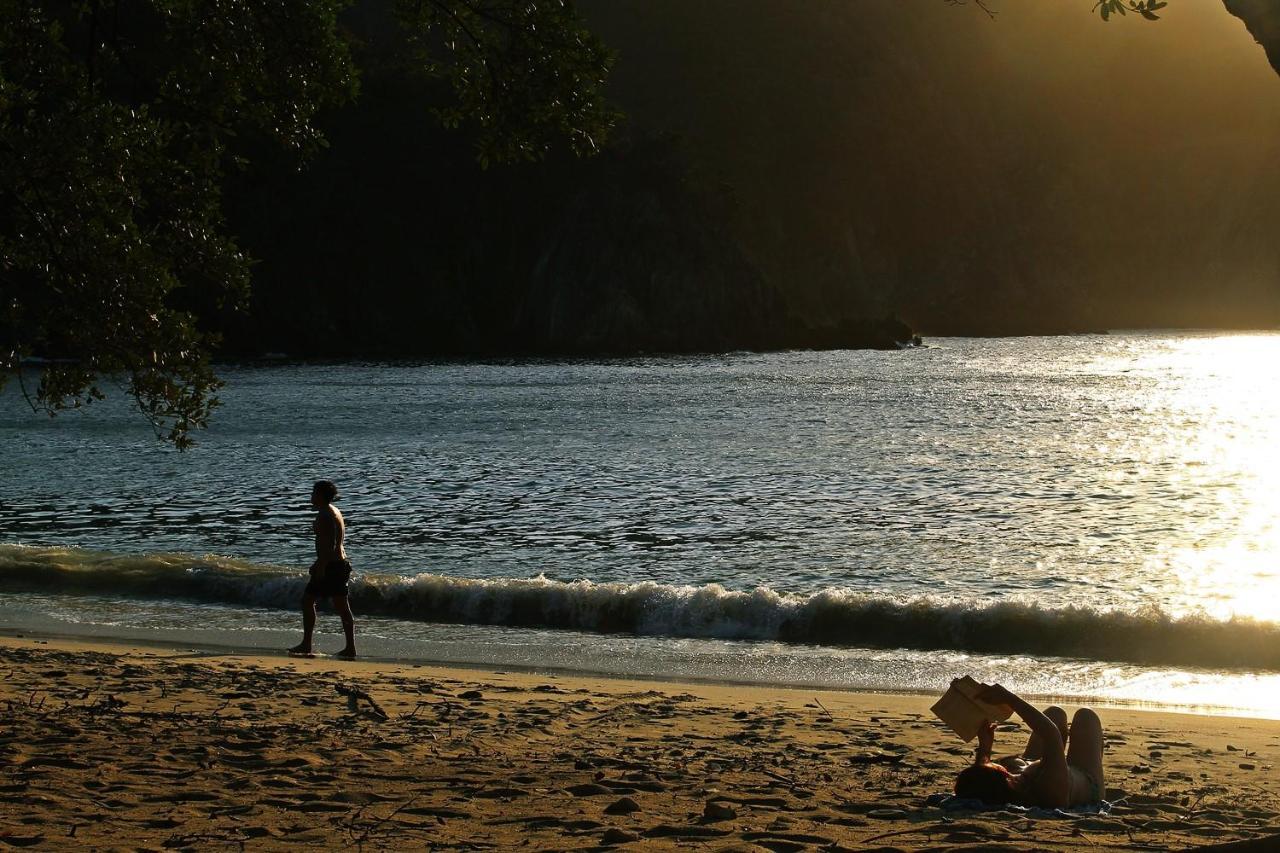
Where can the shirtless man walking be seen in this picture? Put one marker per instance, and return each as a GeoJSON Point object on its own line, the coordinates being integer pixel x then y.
{"type": "Point", "coordinates": [329, 573]}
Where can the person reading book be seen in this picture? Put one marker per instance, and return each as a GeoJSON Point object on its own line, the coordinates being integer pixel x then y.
{"type": "Point", "coordinates": [1060, 767]}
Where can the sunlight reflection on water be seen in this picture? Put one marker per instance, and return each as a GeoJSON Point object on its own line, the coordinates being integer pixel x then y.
{"type": "Point", "coordinates": [1222, 400]}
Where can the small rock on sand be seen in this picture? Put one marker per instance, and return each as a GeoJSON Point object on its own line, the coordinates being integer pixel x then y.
{"type": "Point", "coordinates": [618, 836]}
{"type": "Point", "coordinates": [718, 811]}
{"type": "Point", "coordinates": [588, 790]}
{"type": "Point", "coordinates": [626, 805]}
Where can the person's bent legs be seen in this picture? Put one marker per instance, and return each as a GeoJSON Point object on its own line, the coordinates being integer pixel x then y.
{"type": "Point", "coordinates": [1035, 747]}
{"type": "Point", "coordinates": [342, 607]}
{"type": "Point", "coordinates": [308, 625]}
{"type": "Point", "coordinates": [1085, 749]}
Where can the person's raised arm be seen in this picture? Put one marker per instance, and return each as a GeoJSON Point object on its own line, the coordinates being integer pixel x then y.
{"type": "Point", "coordinates": [986, 742]}
{"type": "Point", "coordinates": [1039, 723]}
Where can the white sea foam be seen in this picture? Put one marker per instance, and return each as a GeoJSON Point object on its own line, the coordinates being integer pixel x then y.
{"type": "Point", "coordinates": [831, 617]}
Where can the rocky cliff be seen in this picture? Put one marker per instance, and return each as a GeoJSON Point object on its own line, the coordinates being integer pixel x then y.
{"type": "Point", "coordinates": [1262, 19]}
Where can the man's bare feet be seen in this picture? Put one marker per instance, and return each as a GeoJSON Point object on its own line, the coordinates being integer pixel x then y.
{"type": "Point", "coordinates": [301, 650]}
{"type": "Point", "coordinates": [347, 654]}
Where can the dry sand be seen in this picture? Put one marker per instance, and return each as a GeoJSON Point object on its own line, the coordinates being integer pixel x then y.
{"type": "Point", "coordinates": [115, 747]}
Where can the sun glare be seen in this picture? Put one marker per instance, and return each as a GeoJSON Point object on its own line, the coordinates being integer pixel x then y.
{"type": "Point", "coordinates": [1224, 410]}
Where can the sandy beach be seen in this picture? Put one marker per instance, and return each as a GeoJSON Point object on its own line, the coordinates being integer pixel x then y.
{"type": "Point", "coordinates": [113, 747]}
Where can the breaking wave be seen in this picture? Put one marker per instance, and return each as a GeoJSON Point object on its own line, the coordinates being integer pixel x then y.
{"type": "Point", "coordinates": [832, 617]}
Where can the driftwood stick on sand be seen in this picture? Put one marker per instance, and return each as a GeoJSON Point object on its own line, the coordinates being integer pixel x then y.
{"type": "Point", "coordinates": [780, 777]}
{"type": "Point", "coordinates": [364, 836]}
{"type": "Point", "coordinates": [923, 830]}
{"type": "Point", "coordinates": [356, 694]}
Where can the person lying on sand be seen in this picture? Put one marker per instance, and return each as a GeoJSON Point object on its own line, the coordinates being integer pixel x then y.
{"type": "Point", "coordinates": [329, 573]}
{"type": "Point", "coordinates": [1059, 768]}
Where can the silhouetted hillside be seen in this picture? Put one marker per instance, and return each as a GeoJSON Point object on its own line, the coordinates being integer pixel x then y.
{"type": "Point", "coordinates": [1043, 171]}
{"type": "Point", "coordinates": [787, 174]}
{"type": "Point", "coordinates": [394, 242]}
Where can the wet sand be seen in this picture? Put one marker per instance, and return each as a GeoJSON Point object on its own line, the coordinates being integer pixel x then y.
{"type": "Point", "coordinates": [113, 747]}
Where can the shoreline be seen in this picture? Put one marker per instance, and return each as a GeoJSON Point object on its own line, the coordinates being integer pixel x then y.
{"type": "Point", "coordinates": [214, 648]}
{"type": "Point", "coordinates": [218, 650]}
{"type": "Point", "coordinates": [120, 745]}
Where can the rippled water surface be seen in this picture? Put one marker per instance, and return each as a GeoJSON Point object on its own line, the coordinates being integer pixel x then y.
{"type": "Point", "coordinates": [1136, 468]}
{"type": "Point", "coordinates": [1128, 470]}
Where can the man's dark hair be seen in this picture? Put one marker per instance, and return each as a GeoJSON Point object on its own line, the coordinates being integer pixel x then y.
{"type": "Point", "coordinates": [327, 490]}
{"type": "Point", "coordinates": [987, 783]}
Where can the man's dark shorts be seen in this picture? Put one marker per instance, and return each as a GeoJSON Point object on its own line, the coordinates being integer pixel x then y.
{"type": "Point", "coordinates": [333, 582]}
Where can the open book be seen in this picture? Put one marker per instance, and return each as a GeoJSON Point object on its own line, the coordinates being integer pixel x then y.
{"type": "Point", "coordinates": [962, 710]}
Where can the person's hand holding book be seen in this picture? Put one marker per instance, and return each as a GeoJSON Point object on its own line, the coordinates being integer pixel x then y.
{"type": "Point", "coordinates": [964, 710]}
{"type": "Point", "coordinates": [987, 737]}
{"type": "Point", "coordinates": [986, 742]}
{"type": "Point", "coordinates": [996, 694]}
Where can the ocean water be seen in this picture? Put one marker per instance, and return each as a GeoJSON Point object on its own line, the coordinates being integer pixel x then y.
{"type": "Point", "coordinates": [1091, 518]}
